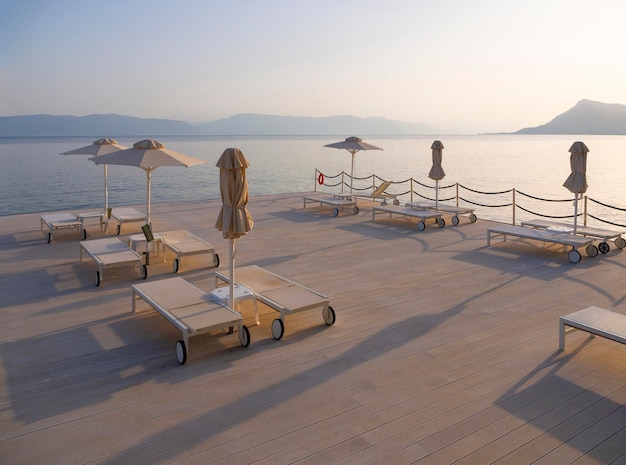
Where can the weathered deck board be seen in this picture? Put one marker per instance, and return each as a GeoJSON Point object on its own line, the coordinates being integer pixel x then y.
{"type": "Point", "coordinates": [444, 350]}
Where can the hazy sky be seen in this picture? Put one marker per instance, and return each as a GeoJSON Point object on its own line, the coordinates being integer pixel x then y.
{"type": "Point", "coordinates": [458, 65]}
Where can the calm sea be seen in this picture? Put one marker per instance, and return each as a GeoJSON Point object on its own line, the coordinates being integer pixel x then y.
{"type": "Point", "coordinates": [35, 178]}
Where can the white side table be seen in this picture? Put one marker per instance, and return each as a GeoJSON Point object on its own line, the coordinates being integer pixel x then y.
{"type": "Point", "coordinates": [242, 294]}
{"type": "Point", "coordinates": [137, 242]}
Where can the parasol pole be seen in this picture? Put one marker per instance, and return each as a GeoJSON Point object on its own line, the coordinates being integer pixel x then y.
{"type": "Point", "coordinates": [106, 189]}
{"type": "Point", "coordinates": [437, 195]}
{"type": "Point", "coordinates": [575, 211]}
{"type": "Point", "coordinates": [231, 257]}
{"type": "Point", "coordinates": [148, 215]}
{"type": "Point", "coordinates": [352, 170]}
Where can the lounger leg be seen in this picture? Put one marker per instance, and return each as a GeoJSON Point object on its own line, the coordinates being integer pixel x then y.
{"type": "Point", "coordinates": [561, 334]}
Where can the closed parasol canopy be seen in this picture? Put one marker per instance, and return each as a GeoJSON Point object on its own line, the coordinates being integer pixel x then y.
{"type": "Point", "coordinates": [352, 145]}
{"type": "Point", "coordinates": [234, 220]}
{"type": "Point", "coordinates": [98, 148]}
{"type": "Point", "coordinates": [436, 172]}
{"type": "Point", "coordinates": [576, 182]}
{"type": "Point", "coordinates": [147, 154]}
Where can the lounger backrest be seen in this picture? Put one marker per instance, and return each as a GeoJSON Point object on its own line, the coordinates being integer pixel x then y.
{"type": "Point", "coordinates": [382, 188]}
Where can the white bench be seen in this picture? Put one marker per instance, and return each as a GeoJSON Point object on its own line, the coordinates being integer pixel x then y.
{"type": "Point", "coordinates": [596, 321]}
{"type": "Point", "coordinates": [421, 215]}
{"type": "Point", "coordinates": [338, 203]}
{"type": "Point", "coordinates": [189, 309]}
{"type": "Point", "coordinates": [603, 234]}
{"type": "Point", "coordinates": [563, 239]}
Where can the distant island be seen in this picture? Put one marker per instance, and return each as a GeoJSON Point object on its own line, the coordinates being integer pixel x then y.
{"type": "Point", "coordinates": [238, 125]}
{"type": "Point", "coordinates": [586, 117]}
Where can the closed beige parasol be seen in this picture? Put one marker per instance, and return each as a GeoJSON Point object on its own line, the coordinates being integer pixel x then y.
{"type": "Point", "coordinates": [436, 172]}
{"type": "Point", "coordinates": [576, 182]}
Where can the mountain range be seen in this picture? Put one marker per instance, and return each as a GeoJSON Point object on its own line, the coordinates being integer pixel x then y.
{"type": "Point", "coordinates": [586, 117]}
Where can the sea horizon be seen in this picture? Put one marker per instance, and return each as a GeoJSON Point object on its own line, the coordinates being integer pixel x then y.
{"type": "Point", "coordinates": [37, 179]}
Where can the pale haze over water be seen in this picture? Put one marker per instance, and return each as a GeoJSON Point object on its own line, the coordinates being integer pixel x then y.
{"type": "Point", "coordinates": [35, 178]}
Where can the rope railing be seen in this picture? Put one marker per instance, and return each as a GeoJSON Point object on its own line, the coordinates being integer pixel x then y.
{"type": "Point", "coordinates": [416, 189]}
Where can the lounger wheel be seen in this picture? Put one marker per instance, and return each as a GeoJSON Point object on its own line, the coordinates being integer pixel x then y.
{"type": "Point", "coordinates": [84, 234]}
{"type": "Point", "coordinates": [356, 210]}
{"type": "Point", "coordinates": [592, 250]}
{"type": "Point", "coordinates": [119, 229]}
{"type": "Point", "coordinates": [441, 222]}
{"type": "Point", "coordinates": [473, 218]}
{"type": "Point", "coordinates": [144, 271]}
{"type": "Point", "coordinates": [97, 278]}
{"type": "Point", "coordinates": [181, 352]}
{"type": "Point", "coordinates": [328, 313]}
{"type": "Point", "coordinates": [175, 265]}
{"type": "Point", "coordinates": [620, 243]}
{"type": "Point", "coordinates": [455, 220]}
{"type": "Point", "coordinates": [244, 336]}
{"type": "Point", "coordinates": [49, 237]}
{"type": "Point", "coordinates": [278, 328]}
{"type": "Point", "coordinates": [603, 247]}
{"type": "Point", "coordinates": [396, 202]}
{"type": "Point", "coordinates": [335, 211]}
{"type": "Point", "coordinates": [421, 226]}
{"type": "Point", "coordinates": [574, 256]}
{"type": "Point", "coordinates": [216, 260]}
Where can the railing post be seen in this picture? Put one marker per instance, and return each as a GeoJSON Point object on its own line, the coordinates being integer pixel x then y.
{"type": "Point", "coordinates": [513, 190]}
{"type": "Point", "coordinates": [315, 181]}
{"type": "Point", "coordinates": [411, 189]}
{"type": "Point", "coordinates": [457, 194]}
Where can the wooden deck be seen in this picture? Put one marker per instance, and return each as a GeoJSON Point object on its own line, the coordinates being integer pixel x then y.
{"type": "Point", "coordinates": [444, 350]}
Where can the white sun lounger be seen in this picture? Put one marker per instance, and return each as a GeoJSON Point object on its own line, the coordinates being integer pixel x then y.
{"type": "Point", "coordinates": [280, 294]}
{"type": "Point", "coordinates": [127, 215]}
{"type": "Point", "coordinates": [454, 210]}
{"type": "Point", "coordinates": [598, 233]}
{"type": "Point", "coordinates": [57, 221]}
{"type": "Point", "coordinates": [596, 321]}
{"type": "Point", "coordinates": [189, 309]}
{"type": "Point", "coordinates": [564, 239]}
{"type": "Point", "coordinates": [111, 252]}
{"type": "Point", "coordinates": [339, 203]}
{"type": "Point", "coordinates": [380, 194]}
{"type": "Point", "coordinates": [421, 215]}
{"type": "Point", "coordinates": [182, 242]}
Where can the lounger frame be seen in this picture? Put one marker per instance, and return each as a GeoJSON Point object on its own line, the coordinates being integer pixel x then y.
{"type": "Point", "coordinates": [422, 215]}
{"type": "Point", "coordinates": [454, 210]}
{"type": "Point", "coordinates": [596, 321]}
{"type": "Point", "coordinates": [60, 221]}
{"type": "Point", "coordinates": [189, 309]}
{"type": "Point", "coordinates": [182, 243]}
{"type": "Point", "coordinates": [605, 235]}
{"type": "Point", "coordinates": [280, 294]}
{"type": "Point", "coordinates": [564, 239]}
{"type": "Point", "coordinates": [338, 203]}
{"type": "Point", "coordinates": [111, 252]}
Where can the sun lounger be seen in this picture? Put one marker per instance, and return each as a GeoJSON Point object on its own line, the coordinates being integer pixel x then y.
{"type": "Point", "coordinates": [111, 252]}
{"type": "Point", "coordinates": [421, 215]}
{"type": "Point", "coordinates": [598, 233]}
{"type": "Point", "coordinates": [189, 309]}
{"type": "Point", "coordinates": [338, 202]}
{"type": "Point", "coordinates": [596, 321]}
{"type": "Point", "coordinates": [564, 239]}
{"type": "Point", "coordinates": [454, 210]}
{"type": "Point", "coordinates": [182, 242]}
{"type": "Point", "coordinates": [280, 294]}
{"type": "Point", "coordinates": [127, 215]}
{"type": "Point", "coordinates": [57, 221]}
{"type": "Point", "coordinates": [380, 194]}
